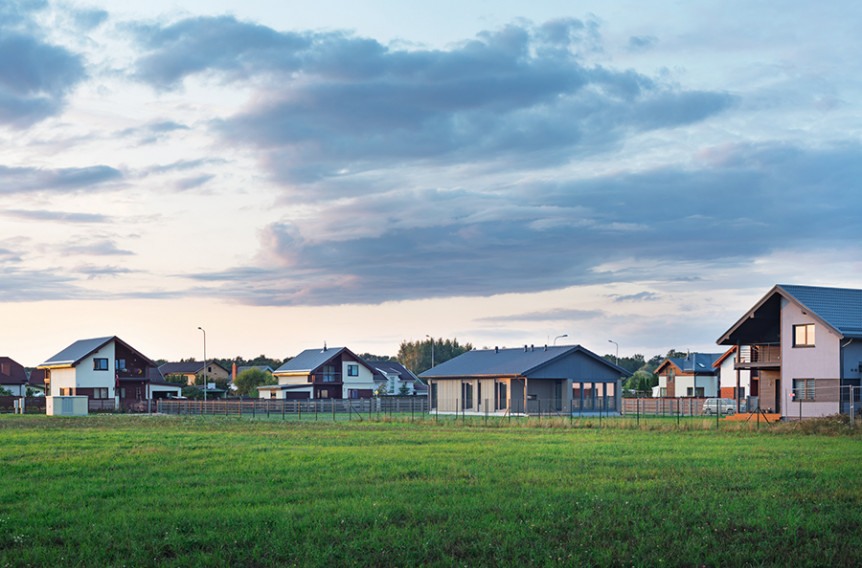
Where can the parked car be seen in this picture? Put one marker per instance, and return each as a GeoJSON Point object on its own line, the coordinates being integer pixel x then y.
{"type": "Point", "coordinates": [719, 406]}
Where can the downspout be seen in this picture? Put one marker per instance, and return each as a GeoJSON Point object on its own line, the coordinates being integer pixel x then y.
{"type": "Point", "coordinates": [841, 376]}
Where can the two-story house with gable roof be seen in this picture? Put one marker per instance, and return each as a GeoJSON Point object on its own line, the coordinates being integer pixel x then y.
{"type": "Point", "coordinates": [803, 348]}
{"type": "Point", "coordinates": [331, 372]}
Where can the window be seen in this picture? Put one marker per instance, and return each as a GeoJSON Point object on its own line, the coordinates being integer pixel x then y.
{"type": "Point", "coordinates": [329, 374]}
{"type": "Point", "coordinates": [323, 393]}
{"type": "Point", "coordinates": [433, 387]}
{"type": "Point", "coordinates": [352, 370]}
{"type": "Point", "coordinates": [121, 364]}
{"type": "Point", "coordinates": [803, 335]}
{"type": "Point", "coordinates": [803, 389]}
{"type": "Point", "coordinates": [65, 391]}
{"type": "Point", "coordinates": [122, 392]}
{"type": "Point", "coordinates": [671, 373]}
{"type": "Point", "coordinates": [466, 396]}
{"type": "Point", "coordinates": [272, 394]}
{"type": "Point", "coordinates": [100, 364]}
{"type": "Point", "coordinates": [700, 392]}
{"type": "Point", "coordinates": [663, 391]}
{"type": "Point", "coordinates": [100, 393]}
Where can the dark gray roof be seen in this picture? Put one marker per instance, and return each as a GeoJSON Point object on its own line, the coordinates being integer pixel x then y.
{"type": "Point", "coordinates": [839, 307]}
{"type": "Point", "coordinates": [394, 367]}
{"type": "Point", "coordinates": [15, 375]}
{"type": "Point", "coordinates": [181, 368]}
{"type": "Point", "coordinates": [509, 362]}
{"type": "Point", "coordinates": [74, 353]}
{"type": "Point", "coordinates": [699, 362]}
{"type": "Point", "coordinates": [309, 360]}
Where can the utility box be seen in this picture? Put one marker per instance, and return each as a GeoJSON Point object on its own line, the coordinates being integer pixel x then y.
{"type": "Point", "coordinates": [66, 405]}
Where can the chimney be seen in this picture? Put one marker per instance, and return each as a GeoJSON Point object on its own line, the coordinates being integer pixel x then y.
{"type": "Point", "coordinates": [496, 349]}
{"type": "Point", "coordinates": [525, 349]}
{"type": "Point", "coordinates": [532, 347]}
{"type": "Point", "coordinates": [546, 346]}
{"type": "Point", "coordinates": [233, 374]}
{"type": "Point", "coordinates": [324, 347]}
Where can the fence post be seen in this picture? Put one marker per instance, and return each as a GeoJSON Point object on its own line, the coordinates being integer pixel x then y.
{"type": "Point", "coordinates": [638, 410]}
{"type": "Point", "coordinates": [486, 412]}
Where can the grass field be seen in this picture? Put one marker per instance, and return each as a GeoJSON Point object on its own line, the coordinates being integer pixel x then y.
{"type": "Point", "coordinates": [181, 491]}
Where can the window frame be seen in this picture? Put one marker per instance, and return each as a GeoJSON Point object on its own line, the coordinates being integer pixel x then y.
{"type": "Point", "coordinates": [809, 335]}
{"type": "Point", "coordinates": [352, 369]}
{"type": "Point", "coordinates": [808, 390]}
{"type": "Point", "coordinates": [100, 364]}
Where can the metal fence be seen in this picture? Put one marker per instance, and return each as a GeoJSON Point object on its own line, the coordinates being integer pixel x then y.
{"type": "Point", "coordinates": [334, 409]}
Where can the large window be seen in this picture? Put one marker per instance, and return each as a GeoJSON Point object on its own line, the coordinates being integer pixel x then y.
{"type": "Point", "coordinates": [803, 335]}
{"type": "Point", "coordinates": [100, 364]}
{"type": "Point", "coordinates": [466, 396]}
{"type": "Point", "coordinates": [352, 370]}
{"type": "Point", "coordinates": [100, 393]}
{"type": "Point", "coordinates": [329, 374]}
{"type": "Point", "coordinates": [803, 389]}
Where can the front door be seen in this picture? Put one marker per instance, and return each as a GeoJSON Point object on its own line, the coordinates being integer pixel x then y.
{"type": "Point", "coordinates": [777, 396]}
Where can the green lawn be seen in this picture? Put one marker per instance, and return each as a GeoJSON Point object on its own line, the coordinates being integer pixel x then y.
{"type": "Point", "coordinates": [215, 491]}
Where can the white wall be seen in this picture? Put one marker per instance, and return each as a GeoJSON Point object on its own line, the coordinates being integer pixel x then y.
{"type": "Point", "coordinates": [364, 381]}
{"type": "Point", "coordinates": [819, 362]}
{"type": "Point", "coordinates": [705, 382]}
{"type": "Point", "coordinates": [86, 377]}
{"type": "Point", "coordinates": [61, 378]}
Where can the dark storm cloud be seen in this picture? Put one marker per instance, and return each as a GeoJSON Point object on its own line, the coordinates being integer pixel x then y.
{"type": "Point", "coordinates": [742, 203]}
{"type": "Point", "coordinates": [23, 180]}
{"type": "Point", "coordinates": [342, 104]}
{"type": "Point", "coordinates": [35, 76]}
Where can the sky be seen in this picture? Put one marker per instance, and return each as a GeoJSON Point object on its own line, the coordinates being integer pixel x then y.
{"type": "Point", "coordinates": [629, 176]}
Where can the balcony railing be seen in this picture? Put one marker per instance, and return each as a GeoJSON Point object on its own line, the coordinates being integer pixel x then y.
{"type": "Point", "coordinates": [763, 355]}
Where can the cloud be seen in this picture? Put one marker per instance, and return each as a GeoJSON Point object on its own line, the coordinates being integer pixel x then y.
{"type": "Point", "coordinates": [92, 272]}
{"type": "Point", "coordinates": [641, 43]}
{"type": "Point", "coordinates": [101, 247]}
{"type": "Point", "coordinates": [332, 104]}
{"type": "Point", "coordinates": [193, 182]}
{"type": "Point", "coordinates": [35, 76]}
{"type": "Point", "coordinates": [24, 180]}
{"type": "Point", "coordinates": [639, 297]}
{"type": "Point", "coordinates": [550, 315]}
{"type": "Point", "coordinates": [65, 217]}
{"type": "Point", "coordinates": [767, 198]}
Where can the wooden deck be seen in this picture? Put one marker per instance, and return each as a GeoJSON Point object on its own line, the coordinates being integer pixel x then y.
{"type": "Point", "coordinates": [752, 417]}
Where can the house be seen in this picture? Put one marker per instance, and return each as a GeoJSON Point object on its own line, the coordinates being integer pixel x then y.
{"type": "Point", "coordinates": [735, 382]}
{"type": "Point", "coordinates": [13, 377]}
{"type": "Point", "coordinates": [328, 373]}
{"type": "Point", "coordinates": [191, 369]}
{"type": "Point", "coordinates": [803, 348]}
{"type": "Point", "coordinates": [36, 381]}
{"type": "Point", "coordinates": [110, 372]}
{"type": "Point", "coordinates": [691, 376]}
{"type": "Point", "coordinates": [394, 378]}
{"type": "Point", "coordinates": [557, 379]}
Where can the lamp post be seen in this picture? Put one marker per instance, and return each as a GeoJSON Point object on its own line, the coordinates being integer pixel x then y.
{"type": "Point", "coordinates": [560, 337]}
{"type": "Point", "coordinates": [205, 362]}
{"type": "Point", "coordinates": [617, 356]}
{"type": "Point", "coordinates": [432, 349]}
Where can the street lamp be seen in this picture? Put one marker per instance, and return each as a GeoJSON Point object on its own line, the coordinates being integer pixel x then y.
{"type": "Point", "coordinates": [560, 337]}
{"type": "Point", "coordinates": [205, 362]}
{"type": "Point", "coordinates": [432, 349]}
{"type": "Point", "coordinates": [617, 356]}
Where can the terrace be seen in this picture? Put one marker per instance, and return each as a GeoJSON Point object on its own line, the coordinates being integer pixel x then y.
{"type": "Point", "coordinates": [760, 356]}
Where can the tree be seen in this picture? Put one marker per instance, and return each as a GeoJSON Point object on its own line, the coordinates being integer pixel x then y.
{"type": "Point", "coordinates": [416, 355]}
{"type": "Point", "coordinates": [404, 390]}
{"type": "Point", "coordinates": [248, 381]}
{"type": "Point", "coordinates": [223, 384]}
{"type": "Point", "coordinates": [5, 392]}
{"type": "Point", "coordinates": [176, 379]}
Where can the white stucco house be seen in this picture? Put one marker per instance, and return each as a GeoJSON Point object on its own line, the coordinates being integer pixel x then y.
{"type": "Point", "coordinates": [109, 372]}
{"type": "Point", "coordinates": [328, 373]}
{"type": "Point", "coordinates": [802, 346]}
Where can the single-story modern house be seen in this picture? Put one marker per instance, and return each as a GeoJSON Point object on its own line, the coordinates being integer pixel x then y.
{"type": "Point", "coordinates": [328, 373]}
{"type": "Point", "coordinates": [528, 380]}
{"type": "Point", "coordinates": [110, 372]}
{"type": "Point", "coordinates": [803, 348]}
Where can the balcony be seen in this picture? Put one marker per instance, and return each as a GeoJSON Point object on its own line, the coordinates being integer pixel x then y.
{"type": "Point", "coordinates": [763, 356]}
